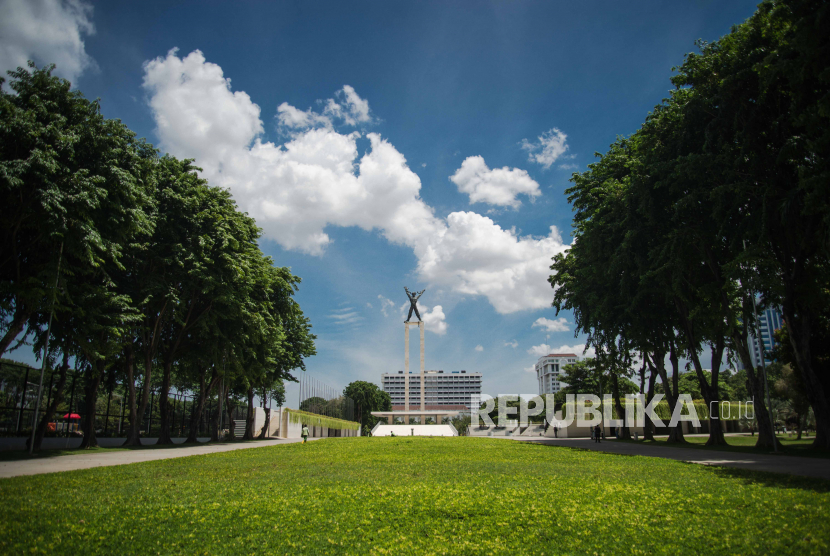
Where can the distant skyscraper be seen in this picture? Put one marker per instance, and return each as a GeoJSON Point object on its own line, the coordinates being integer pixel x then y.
{"type": "Point", "coordinates": [769, 320]}
{"type": "Point", "coordinates": [548, 368]}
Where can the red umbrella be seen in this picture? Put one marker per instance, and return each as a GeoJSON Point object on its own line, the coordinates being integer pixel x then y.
{"type": "Point", "coordinates": [71, 416]}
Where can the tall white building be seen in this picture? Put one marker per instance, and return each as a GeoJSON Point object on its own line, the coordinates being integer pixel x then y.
{"type": "Point", "coordinates": [441, 390]}
{"type": "Point", "coordinates": [548, 368]}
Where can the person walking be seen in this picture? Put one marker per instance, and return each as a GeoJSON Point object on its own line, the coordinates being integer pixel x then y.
{"type": "Point", "coordinates": [597, 433]}
{"type": "Point", "coordinates": [305, 433]}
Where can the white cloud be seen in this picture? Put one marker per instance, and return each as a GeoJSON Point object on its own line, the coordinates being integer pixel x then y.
{"type": "Point", "coordinates": [514, 344]}
{"type": "Point", "coordinates": [569, 166]}
{"type": "Point", "coordinates": [558, 325]}
{"type": "Point", "coordinates": [318, 179]}
{"type": "Point", "coordinates": [540, 350]}
{"type": "Point", "coordinates": [350, 110]}
{"type": "Point", "coordinates": [369, 306]}
{"type": "Point", "coordinates": [48, 32]}
{"type": "Point", "coordinates": [294, 118]}
{"type": "Point", "coordinates": [551, 146]}
{"type": "Point", "coordinates": [346, 315]}
{"type": "Point", "coordinates": [577, 349]}
{"type": "Point", "coordinates": [495, 187]}
{"type": "Point", "coordinates": [386, 305]}
{"type": "Point", "coordinates": [545, 349]}
{"type": "Point", "coordinates": [434, 320]}
{"type": "Point", "coordinates": [474, 255]}
{"type": "Point", "coordinates": [479, 348]}
{"type": "Point", "coordinates": [531, 369]}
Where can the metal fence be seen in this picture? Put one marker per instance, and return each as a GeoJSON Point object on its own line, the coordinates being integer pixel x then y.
{"type": "Point", "coordinates": [18, 397]}
{"type": "Point", "coordinates": [317, 397]}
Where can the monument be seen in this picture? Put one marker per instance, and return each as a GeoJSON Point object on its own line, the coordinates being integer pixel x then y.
{"type": "Point", "coordinates": [423, 429]}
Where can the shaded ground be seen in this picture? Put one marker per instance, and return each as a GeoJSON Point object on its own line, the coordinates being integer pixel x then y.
{"type": "Point", "coordinates": [734, 456]}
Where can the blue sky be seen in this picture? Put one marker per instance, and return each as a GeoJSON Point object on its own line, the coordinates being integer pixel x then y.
{"type": "Point", "coordinates": [387, 144]}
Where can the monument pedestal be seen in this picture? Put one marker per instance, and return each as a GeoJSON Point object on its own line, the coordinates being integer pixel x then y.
{"type": "Point", "coordinates": [423, 412]}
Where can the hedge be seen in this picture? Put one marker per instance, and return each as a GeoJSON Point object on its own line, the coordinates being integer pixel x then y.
{"type": "Point", "coordinates": [313, 419]}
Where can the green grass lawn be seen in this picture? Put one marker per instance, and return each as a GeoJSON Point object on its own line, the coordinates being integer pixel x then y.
{"type": "Point", "coordinates": [414, 496]}
{"type": "Point", "coordinates": [745, 443]}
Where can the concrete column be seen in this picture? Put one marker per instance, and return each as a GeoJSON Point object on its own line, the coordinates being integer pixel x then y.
{"type": "Point", "coordinates": [391, 419]}
{"type": "Point", "coordinates": [423, 389]}
{"type": "Point", "coordinates": [406, 367]}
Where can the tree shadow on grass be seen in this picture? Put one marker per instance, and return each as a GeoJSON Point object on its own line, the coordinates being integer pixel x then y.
{"type": "Point", "coordinates": [747, 476]}
{"type": "Point", "coordinates": [766, 478]}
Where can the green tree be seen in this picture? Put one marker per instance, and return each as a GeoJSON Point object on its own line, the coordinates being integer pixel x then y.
{"type": "Point", "coordinates": [367, 397]}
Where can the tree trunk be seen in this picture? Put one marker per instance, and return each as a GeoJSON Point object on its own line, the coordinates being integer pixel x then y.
{"type": "Point", "coordinates": [249, 418]}
{"type": "Point", "coordinates": [615, 390]}
{"type": "Point", "coordinates": [15, 328]}
{"type": "Point", "coordinates": [53, 405]}
{"type": "Point", "coordinates": [670, 389]}
{"type": "Point", "coordinates": [817, 386]}
{"type": "Point", "coordinates": [164, 404]}
{"type": "Point", "coordinates": [133, 437]}
{"type": "Point", "coordinates": [756, 389]}
{"type": "Point", "coordinates": [214, 423]}
{"type": "Point", "coordinates": [709, 391]}
{"type": "Point", "coordinates": [264, 433]}
{"type": "Point", "coordinates": [93, 379]}
{"type": "Point", "coordinates": [205, 389]}
{"type": "Point", "coordinates": [648, 429]}
{"type": "Point", "coordinates": [134, 432]}
{"type": "Point", "coordinates": [229, 407]}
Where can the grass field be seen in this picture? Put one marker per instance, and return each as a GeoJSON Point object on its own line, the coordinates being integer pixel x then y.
{"type": "Point", "coordinates": [414, 496]}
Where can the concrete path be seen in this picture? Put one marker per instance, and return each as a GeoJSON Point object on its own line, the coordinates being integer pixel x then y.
{"type": "Point", "coordinates": [794, 465]}
{"type": "Point", "coordinates": [97, 459]}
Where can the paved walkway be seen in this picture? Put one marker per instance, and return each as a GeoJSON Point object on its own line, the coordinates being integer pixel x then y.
{"type": "Point", "coordinates": [794, 465]}
{"type": "Point", "coordinates": [97, 459]}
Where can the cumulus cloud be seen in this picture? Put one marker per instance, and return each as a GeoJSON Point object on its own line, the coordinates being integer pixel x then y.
{"type": "Point", "coordinates": [434, 320]}
{"type": "Point", "coordinates": [514, 344]}
{"type": "Point", "coordinates": [544, 349]}
{"type": "Point", "coordinates": [558, 325]}
{"type": "Point", "coordinates": [550, 146]}
{"type": "Point", "coordinates": [531, 369]}
{"type": "Point", "coordinates": [495, 187]}
{"type": "Point", "coordinates": [346, 108]}
{"type": "Point", "coordinates": [473, 255]}
{"type": "Point", "coordinates": [540, 350]}
{"type": "Point", "coordinates": [48, 32]}
{"type": "Point", "coordinates": [318, 178]}
{"type": "Point", "coordinates": [479, 348]}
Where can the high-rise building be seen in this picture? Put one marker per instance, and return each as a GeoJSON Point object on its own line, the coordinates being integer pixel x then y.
{"type": "Point", "coordinates": [441, 390]}
{"type": "Point", "coordinates": [548, 368]}
{"type": "Point", "coordinates": [769, 320]}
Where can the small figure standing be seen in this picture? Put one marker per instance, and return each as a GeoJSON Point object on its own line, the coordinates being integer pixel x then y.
{"type": "Point", "coordinates": [413, 300]}
{"type": "Point", "coordinates": [304, 434]}
{"type": "Point", "coordinates": [555, 431]}
{"type": "Point", "coordinates": [597, 433]}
